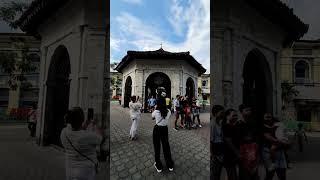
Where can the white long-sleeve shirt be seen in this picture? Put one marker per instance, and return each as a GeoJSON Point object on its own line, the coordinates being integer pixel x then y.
{"type": "Point", "coordinates": [85, 141]}
{"type": "Point", "coordinates": [135, 110]}
{"type": "Point", "coordinates": [160, 121]}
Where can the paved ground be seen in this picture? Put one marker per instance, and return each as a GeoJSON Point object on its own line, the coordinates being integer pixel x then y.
{"type": "Point", "coordinates": [134, 159]}
{"type": "Point", "coordinates": [21, 158]}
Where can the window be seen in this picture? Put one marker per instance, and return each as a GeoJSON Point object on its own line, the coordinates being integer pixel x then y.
{"type": "Point", "coordinates": [301, 71]}
{"type": "Point", "coordinates": [204, 83]}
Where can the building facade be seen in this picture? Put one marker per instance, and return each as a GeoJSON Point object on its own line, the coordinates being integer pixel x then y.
{"type": "Point", "coordinates": [300, 67]}
{"type": "Point", "coordinates": [15, 43]}
{"type": "Point", "coordinates": [73, 55]}
{"type": "Point", "coordinates": [204, 87]}
{"type": "Point", "coordinates": [145, 71]}
{"type": "Point", "coordinates": [247, 40]}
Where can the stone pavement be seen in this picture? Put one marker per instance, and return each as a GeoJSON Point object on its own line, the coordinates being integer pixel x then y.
{"type": "Point", "coordinates": [134, 159]}
{"type": "Point", "coordinates": [22, 159]}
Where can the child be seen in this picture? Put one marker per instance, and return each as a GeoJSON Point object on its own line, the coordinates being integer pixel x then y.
{"type": "Point", "coordinates": [300, 133]}
{"type": "Point", "coordinates": [195, 114]}
{"type": "Point", "coordinates": [187, 111]}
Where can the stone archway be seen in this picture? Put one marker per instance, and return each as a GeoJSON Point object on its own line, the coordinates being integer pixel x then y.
{"type": "Point", "coordinates": [157, 80]}
{"type": "Point", "coordinates": [57, 98]}
{"type": "Point", "coordinates": [257, 86]}
{"type": "Point", "coordinates": [127, 92]}
{"type": "Point", "coordinates": [190, 88]}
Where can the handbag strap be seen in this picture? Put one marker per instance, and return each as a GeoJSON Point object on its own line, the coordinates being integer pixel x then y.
{"type": "Point", "coordinates": [80, 152]}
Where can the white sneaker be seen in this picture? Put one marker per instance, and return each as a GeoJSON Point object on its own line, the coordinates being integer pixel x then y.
{"type": "Point", "coordinates": [200, 126]}
{"type": "Point", "coordinates": [158, 170]}
{"type": "Point", "coordinates": [170, 169]}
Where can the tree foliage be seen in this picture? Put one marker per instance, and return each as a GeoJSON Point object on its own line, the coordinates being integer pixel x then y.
{"type": "Point", "coordinates": [10, 12]}
{"type": "Point", "coordinates": [15, 63]}
{"type": "Point", "coordinates": [288, 93]}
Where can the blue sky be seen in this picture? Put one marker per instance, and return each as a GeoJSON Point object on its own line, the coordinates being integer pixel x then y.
{"type": "Point", "coordinates": [179, 25]}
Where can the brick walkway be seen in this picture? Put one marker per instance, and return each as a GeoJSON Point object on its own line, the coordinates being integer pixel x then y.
{"type": "Point", "coordinates": [134, 159]}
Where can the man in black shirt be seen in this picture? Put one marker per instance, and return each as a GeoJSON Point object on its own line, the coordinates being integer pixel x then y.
{"type": "Point", "coordinates": [247, 132]}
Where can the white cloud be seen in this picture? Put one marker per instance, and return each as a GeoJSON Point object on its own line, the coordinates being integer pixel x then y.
{"type": "Point", "coordinates": [195, 18]}
{"type": "Point", "coordinates": [133, 1]}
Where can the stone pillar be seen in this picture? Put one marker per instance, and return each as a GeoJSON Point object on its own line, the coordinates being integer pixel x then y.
{"type": "Point", "coordinates": [42, 95]}
{"type": "Point", "coordinates": [216, 51]}
{"type": "Point", "coordinates": [94, 54]}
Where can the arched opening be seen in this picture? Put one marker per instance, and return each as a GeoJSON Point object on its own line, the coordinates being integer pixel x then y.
{"type": "Point", "coordinates": [127, 91]}
{"type": "Point", "coordinates": [57, 99]}
{"type": "Point", "coordinates": [157, 81]}
{"type": "Point", "coordinates": [190, 89]}
{"type": "Point", "coordinates": [257, 87]}
{"type": "Point", "coordinates": [301, 71]}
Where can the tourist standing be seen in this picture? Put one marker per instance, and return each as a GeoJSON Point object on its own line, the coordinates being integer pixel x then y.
{"type": "Point", "coordinates": [187, 112]}
{"type": "Point", "coordinates": [216, 143]}
{"type": "Point", "coordinates": [230, 138]}
{"type": "Point", "coordinates": [135, 115]}
{"type": "Point", "coordinates": [273, 150]}
{"type": "Point", "coordinates": [151, 103]}
{"type": "Point", "coordinates": [248, 141]}
{"type": "Point", "coordinates": [168, 103]}
{"type": "Point", "coordinates": [160, 136]}
{"type": "Point", "coordinates": [196, 114]}
{"type": "Point", "coordinates": [32, 120]}
{"type": "Point", "coordinates": [80, 147]}
{"type": "Point", "coordinates": [181, 110]}
{"type": "Point", "coordinates": [176, 107]}
{"type": "Point", "coordinates": [299, 135]}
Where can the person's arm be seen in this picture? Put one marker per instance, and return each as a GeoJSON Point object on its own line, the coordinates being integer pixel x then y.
{"type": "Point", "coordinates": [270, 138]}
{"type": "Point", "coordinates": [153, 115]}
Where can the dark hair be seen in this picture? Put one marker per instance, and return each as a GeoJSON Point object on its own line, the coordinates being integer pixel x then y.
{"type": "Point", "coordinates": [243, 106]}
{"type": "Point", "coordinates": [216, 109]}
{"type": "Point", "coordinates": [76, 117]}
{"type": "Point", "coordinates": [67, 117]}
{"type": "Point", "coordinates": [161, 106]}
{"type": "Point", "coordinates": [133, 98]}
{"type": "Point", "coordinates": [229, 111]}
{"type": "Point", "coordinates": [177, 96]}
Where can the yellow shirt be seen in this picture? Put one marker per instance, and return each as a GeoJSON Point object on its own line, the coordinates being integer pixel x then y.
{"type": "Point", "coordinates": [167, 101]}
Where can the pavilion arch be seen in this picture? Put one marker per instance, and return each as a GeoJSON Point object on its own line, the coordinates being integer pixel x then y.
{"type": "Point", "coordinates": [156, 80]}
{"type": "Point", "coordinates": [57, 96]}
{"type": "Point", "coordinates": [257, 86]}
{"type": "Point", "coordinates": [190, 88]}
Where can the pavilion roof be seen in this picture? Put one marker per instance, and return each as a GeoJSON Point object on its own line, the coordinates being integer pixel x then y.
{"type": "Point", "coordinates": [159, 54]}
{"type": "Point", "coordinates": [280, 14]}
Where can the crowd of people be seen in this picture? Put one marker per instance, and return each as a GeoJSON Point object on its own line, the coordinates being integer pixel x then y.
{"type": "Point", "coordinates": [240, 144]}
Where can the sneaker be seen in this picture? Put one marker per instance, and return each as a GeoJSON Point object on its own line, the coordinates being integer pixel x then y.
{"type": "Point", "coordinates": [200, 126]}
{"type": "Point", "coordinates": [170, 169]}
{"type": "Point", "coordinates": [176, 129]}
{"type": "Point", "coordinates": [159, 170]}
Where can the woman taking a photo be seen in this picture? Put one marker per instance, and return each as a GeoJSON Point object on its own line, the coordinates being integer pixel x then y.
{"type": "Point", "coordinates": [160, 135]}
{"type": "Point", "coordinates": [80, 147]}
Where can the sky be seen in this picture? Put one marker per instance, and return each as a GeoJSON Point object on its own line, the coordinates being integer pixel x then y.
{"type": "Point", "coordinates": [179, 25]}
{"type": "Point", "coordinates": [308, 12]}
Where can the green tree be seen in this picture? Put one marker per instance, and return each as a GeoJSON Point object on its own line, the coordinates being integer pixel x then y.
{"type": "Point", "coordinates": [288, 93]}
{"type": "Point", "coordinates": [15, 63]}
{"type": "Point", "coordinates": [116, 82]}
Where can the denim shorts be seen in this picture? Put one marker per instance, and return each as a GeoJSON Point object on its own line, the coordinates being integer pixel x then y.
{"type": "Point", "coordinates": [280, 158]}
